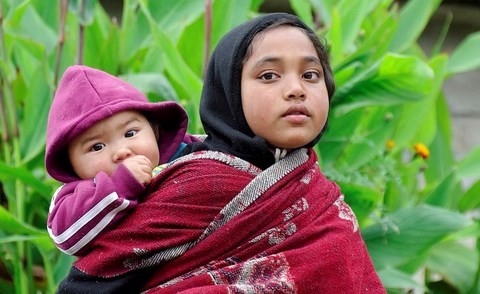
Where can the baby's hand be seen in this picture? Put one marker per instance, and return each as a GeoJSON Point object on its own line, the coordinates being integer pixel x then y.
{"type": "Point", "coordinates": [140, 167]}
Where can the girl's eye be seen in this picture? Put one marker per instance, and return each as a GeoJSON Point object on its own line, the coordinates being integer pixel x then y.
{"type": "Point", "coordinates": [130, 133]}
{"type": "Point", "coordinates": [311, 75]}
{"type": "Point", "coordinates": [268, 76]}
{"type": "Point", "coordinates": [97, 147]}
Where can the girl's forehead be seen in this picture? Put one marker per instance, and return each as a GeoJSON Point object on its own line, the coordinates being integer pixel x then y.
{"type": "Point", "coordinates": [280, 38]}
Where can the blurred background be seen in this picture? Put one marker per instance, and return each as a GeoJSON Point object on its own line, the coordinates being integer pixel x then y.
{"type": "Point", "coordinates": [462, 90]}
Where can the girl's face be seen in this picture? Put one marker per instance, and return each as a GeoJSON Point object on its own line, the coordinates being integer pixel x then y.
{"type": "Point", "coordinates": [110, 141]}
{"type": "Point", "coordinates": [284, 96]}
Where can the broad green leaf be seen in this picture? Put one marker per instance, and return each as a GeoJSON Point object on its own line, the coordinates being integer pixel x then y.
{"type": "Point", "coordinates": [470, 200]}
{"type": "Point", "coordinates": [28, 56]}
{"type": "Point", "coordinates": [396, 279]}
{"type": "Point", "coordinates": [368, 140]}
{"type": "Point", "coordinates": [447, 193]}
{"type": "Point", "coordinates": [49, 15]}
{"type": "Point", "coordinates": [334, 36]}
{"type": "Point", "coordinates": [396, 79]}
{"type": "Point", "coordinates": [135, 37]}
{"type": "Point", "coordinates": [465, 57]}
{"type": "Point", "coordinates": [154, 85]}
{"type": "Point", "coordinates": [363, 200]}
{"type": "Point", "coordinates": [101, 43]}
{"type": "Point", "coordinates": [442, 157]}
{"type": "Point", "coordinates": [174, 63]}
{"type": "Point", "coordinates": [456, 263]}
{"type": "Point", "coordinates": [12, 226]}
{"type": "Point", "coordinates": [226, 15]}
{"type": "Point", "coordinates": [352, 14]}
{"type": "Point", "coordinates": [377, 40]}
{"type": "Point", "coordinates": [469, 167]}
{"type": "Point", "coordinates": [414, 115]}
{"type": "Point", "coordinates": [33, 126]}
{"type": "Point", "coordinates": [410, 232]}
{"type": "Point", "coordinates": [31, 26]}
{"type": "Point", "coordinates": [172, 16]}
{"type": "Point", "coordinates": [414, 17]}
{"type": "Point", "coordinates": [192, 46]}
{"type": "Point", "coordinates": [83, 9]}
{"type": "Point", "coordinates": [325, 8]}
{"type": "Point", "coordinates": [303, 9]}
{"type": "Point", "coordinates": [9, 172]}
{"type": "Point", "coordinates": [192, 43]}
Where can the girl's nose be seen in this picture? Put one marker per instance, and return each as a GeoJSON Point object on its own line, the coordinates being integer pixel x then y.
{"type": "Point", "coordinates": [294, 89]}
{"type": "Point", "coordinates": [122, 153]}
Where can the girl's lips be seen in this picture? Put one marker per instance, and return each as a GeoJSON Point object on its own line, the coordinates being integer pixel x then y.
{"type": "Point", "coordinates": [296, 109]}
{"type": "Point", "coordinates": [296, 113]}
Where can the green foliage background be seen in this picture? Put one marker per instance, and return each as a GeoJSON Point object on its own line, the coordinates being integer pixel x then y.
{"type": "Point", "coordinates": [415, 213]}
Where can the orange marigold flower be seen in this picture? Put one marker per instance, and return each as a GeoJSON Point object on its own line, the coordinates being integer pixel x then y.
{"type": "Point", "coordinates": [390, 144]}
{"type": "Point", "coordinates": [422, 150]}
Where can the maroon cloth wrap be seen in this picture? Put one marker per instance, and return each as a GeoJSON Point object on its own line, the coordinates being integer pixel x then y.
{"type": "Point", "coordinates": [287, 231]}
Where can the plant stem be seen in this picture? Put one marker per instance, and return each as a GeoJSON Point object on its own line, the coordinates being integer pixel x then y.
{"type": "Point", "coordinates": [3, 111]}
{"type": "Point", "coordinates": [61, 38]}
{"type": "Point", "coordinates": [208, 33]}
{"type": "Point", "coordinates": [81, 32]}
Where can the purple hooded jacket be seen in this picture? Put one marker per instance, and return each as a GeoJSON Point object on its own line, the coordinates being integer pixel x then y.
{"type": "Point", "coordinates": [85, 96]}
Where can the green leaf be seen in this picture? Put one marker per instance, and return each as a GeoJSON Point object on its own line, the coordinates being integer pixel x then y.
{"type": "Point", "coordinates": [413, 19]}
{"type": "Point", "coordinates": [396, 279]}
{"type": "Point", "coordinates": [13, 227]}
{"type": "Point", "coordinates": [303, 9]}
{"type": "Point", "coordinates": [7, 172]}
{"type": "Point", "coordinates": [153, 85]}
{"type": "Point", "coordinates": [102, 43]}
{"type": "Point", "coordinates": [470, 199]}
{"type": "Point", "coordinates": [83, 9]}
{"type": "Point", "coordinates": [447, 193]}
{"type": "Point", "coordinates": [414, 115]}
{"type": "Point", "coordinates": [173, 16]}
{"type": "Point", "coordinates": [410, 232]}
{"type": "Point", "coordinates": [396, 79]}
{"type": "Point", "coordinates": [466, 56]}
{"type": "Point", "coordinates": [352, 14]}
{"type": "Point", "coordinates": [363, 200]}
{"type": "Point", "coordinates": [456, 263]}
{"type": "Point", "coordinates": [469, 167]}
{"type": "Point", "coordinates": [36, 106]}
{"type": "Point", "coordinates": [174, 63]}
{"type": "Point", "coordinates": [31, 26]}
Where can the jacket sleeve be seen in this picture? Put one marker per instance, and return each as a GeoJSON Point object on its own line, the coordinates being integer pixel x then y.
{"type": "Point", "coordinates": [81, 210]}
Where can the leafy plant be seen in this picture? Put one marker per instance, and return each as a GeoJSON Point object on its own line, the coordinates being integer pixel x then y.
{"type": "Point", "coordinates": [412, 204]}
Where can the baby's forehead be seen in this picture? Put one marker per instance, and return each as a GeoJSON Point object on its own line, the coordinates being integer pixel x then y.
{"type": "Point", "coordinates": [114, 122]}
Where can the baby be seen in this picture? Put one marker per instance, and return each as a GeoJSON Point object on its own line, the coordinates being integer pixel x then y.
{"type": "Point", "coordinates": [105, 142]}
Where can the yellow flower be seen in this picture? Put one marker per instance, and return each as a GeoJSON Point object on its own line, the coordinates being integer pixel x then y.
{"type": "Point", "coordinates": [390, 144]}
{"type": "Point", "coordinates": [421, 150]}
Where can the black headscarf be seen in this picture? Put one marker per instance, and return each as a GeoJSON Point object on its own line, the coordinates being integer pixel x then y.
{"type": "Point", "coordinates": [221, 109]}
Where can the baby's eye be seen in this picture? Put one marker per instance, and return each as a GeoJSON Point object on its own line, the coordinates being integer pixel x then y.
{"type": "Point", "coordinates": [311, 75]}
{"type": "Point", "coordinates": [97, 147]}
{"type": "Point", "coordinates": [130, 133]}
{"type": "Point", "coordinates": [269, 76]}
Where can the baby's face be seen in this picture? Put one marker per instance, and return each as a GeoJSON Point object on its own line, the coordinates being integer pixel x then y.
{"type": "Point", "coordinates": [109, 142]}
{"type": "Point", "coordinates": [284, 96]}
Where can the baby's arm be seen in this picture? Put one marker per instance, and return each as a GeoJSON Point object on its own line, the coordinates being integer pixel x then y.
{"type": "Point", "coordinates": [81, 210]}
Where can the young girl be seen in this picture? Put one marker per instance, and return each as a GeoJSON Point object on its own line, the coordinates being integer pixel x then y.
{"type": "Point", "coordinates": [258, 216]}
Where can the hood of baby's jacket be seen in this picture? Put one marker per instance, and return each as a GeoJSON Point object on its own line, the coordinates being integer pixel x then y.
{"type": "Point", "coordinates": [84, 97]}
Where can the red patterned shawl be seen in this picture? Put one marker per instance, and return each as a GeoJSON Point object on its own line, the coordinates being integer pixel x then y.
{"type": "Point", "coordinates": [288, 230]}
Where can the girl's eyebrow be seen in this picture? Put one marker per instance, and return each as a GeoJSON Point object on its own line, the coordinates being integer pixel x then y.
{"type": "Point", "coordinates": [266, 59]}
{"type": "Point", "coordinates": [274, 59]}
